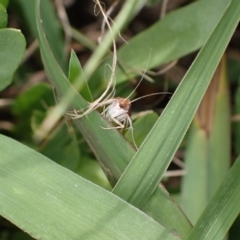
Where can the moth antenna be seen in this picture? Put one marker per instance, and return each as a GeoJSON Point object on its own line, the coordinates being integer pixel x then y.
{"type": "Point", "coordinates": [141, 77]}
{"type": "Point", "coordinates": [119, 34]}
{"type": "Point", "coordinates": [151, 94]}
{"type": "Point", "coordinates": [114, 62]}
{"type": "Point", "coordinates": [108, 13]}
{"type": "Point", "coordinates": [97, 4]}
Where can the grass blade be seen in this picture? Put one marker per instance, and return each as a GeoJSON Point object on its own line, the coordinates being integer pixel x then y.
{"type": "Point", "coordinates": [154, 156]}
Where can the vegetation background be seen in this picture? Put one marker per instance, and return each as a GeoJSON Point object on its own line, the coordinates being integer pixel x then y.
{"type": "Point", "coordinates": [36, 195]}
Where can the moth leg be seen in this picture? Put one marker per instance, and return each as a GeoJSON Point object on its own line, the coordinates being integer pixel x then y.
{"type": "Point", "coordinates": [120, 125]}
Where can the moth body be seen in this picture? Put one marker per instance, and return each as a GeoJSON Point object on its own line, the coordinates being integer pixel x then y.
{"type": "Point", "coordinates": [119, 112]}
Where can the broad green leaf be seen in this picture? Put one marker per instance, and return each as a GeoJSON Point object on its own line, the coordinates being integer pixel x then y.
{"type": "Point", "coordinates": [208, 152]}
{"type": "Point", "coordinates": [222, 210]}
{"type": "Point", "coordinates": [13, 45]}
{"type": "Point", "coordinates": [76, 76]}
{"type": "Point", "coordinates": [48, 201]}
{"type": "Point", "coordinates": [155, 154]}
{"type": "Point", "coordinates": [111, 149]}
{"type": "Point", "coordinates": [179, 33]}
{"type": "Point", "coordinates": [3, 16]}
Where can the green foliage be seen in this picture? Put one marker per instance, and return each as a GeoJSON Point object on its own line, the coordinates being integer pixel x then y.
{"type": "Point", "coordinates": [44, 190]}
{"type": "Point", "coordinates": [169, 130]}
{"type": "Point", "coordinates": [76, 74]}
{"type": "Point", "coordinates": [4, 3]}
{"type": "Point", "coordinates": [210, 139]}
{"type": "Point", "coordinates": [181, 32]}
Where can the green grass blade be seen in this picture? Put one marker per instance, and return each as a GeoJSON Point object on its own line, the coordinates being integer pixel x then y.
{"type": "Point", "coordinates": [195, 183]}
{"type": "Point", "coordinates": [50, 202]}
{"type": "Point", "coordinates": [154, 156]}
{"type": "Point", "coordinates": [222, 210]}
{"type": "Point", "coordinates": [111, 149]}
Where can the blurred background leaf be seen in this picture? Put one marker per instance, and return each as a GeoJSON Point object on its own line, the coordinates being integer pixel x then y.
{"type": "Point", "coordinates": [208, 151]}
{"type": "Point", "coordinates": [12, 44]}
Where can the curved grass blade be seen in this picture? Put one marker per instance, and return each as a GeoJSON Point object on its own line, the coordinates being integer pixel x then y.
{"type": "Point", "coordinates": [155, 154]}
{"type": "Point", "coordinates": [48, 201]}
{"type": "Point", "coordinates": [76, 76]}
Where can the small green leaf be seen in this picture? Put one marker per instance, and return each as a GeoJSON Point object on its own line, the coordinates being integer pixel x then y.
{"type": "Point", "coordinates": [13, 45]}
{"type": "Point", "coordinates": [76, 76]}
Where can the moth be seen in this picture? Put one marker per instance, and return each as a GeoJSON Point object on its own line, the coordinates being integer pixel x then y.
{"type": "Point", "coordinates": [115, 109]}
